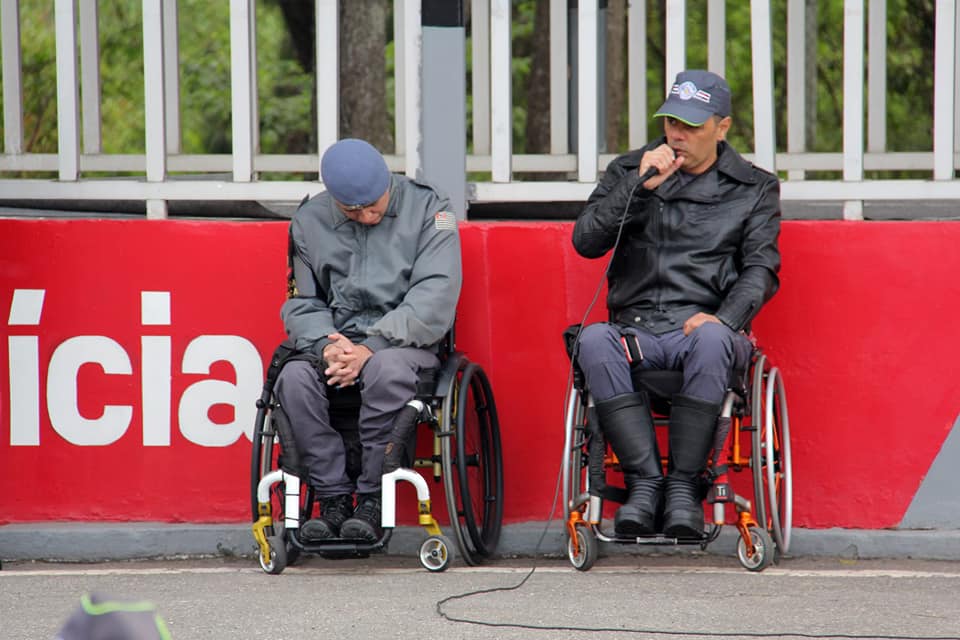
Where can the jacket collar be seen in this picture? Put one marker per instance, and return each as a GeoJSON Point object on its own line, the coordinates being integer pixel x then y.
{"type": "Point", "coordinates": [707, 185]}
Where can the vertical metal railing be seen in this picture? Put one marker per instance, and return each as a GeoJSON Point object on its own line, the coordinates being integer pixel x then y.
{"type": "Point", "coordinates": [764, 127]}
{"type": "Point", "coordinates": [79, 110]}
{"type": "Point", "coordinates": [587, 112]}
{"type": "Point", "coordinates": [68, 107]}
{"type": "Point", "coordinates": [12, 78]}
{"type": "Point", "coordinates": [853, 24]}
{"type": "Point", "coordinates": [501, 102]}
{"type": "Point", "coordinates": [944, 79]}
{"type": "Point", "coordinates": [155, 103]}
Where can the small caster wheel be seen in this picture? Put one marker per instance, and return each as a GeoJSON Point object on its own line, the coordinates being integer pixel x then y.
{"type": "Point", "coordinates": [277, 561]}
{"type": "Point", "coordinates": [764, 550]}
{"type": "Point", "coordinates": [435, 554]}
{"type": "Point", "coordinates": [584, 553]}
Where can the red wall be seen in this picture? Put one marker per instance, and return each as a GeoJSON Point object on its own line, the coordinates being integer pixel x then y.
{"type": "Point", "coordinates": [862, 329]}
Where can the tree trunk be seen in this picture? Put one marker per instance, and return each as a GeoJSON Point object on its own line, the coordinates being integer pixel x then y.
{"type": "Point", "coordinates": [616, 72]}
{"type": "Point", "coordinates": [810, 75]}
{"type": "Point", "coordinates": [363, 40]}
{"type": "Point", "coordinates": [363, 85]}
{"type": "Point", "coordinates": [538, 84]}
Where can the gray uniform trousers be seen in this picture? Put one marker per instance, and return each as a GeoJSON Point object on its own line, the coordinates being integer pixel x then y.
{"type": "Point", "coordinates": [387, 382]}
{"type": "Point", "coordinates": [706, 357]}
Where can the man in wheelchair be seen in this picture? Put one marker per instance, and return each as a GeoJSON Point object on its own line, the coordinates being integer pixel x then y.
{"type": "Point", "coordinates": [376, 276]}
{"type": "Point", "coordinates": [693, 229]}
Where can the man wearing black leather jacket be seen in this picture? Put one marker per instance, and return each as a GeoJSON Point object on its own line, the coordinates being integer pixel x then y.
{"type": "Point", "coordinates": [694, 261]}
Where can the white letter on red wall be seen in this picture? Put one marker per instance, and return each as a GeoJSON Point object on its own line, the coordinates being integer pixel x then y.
{"type": "Point", "coordinates": [62, 390]}
{"type": "Point", "coordinates": [155, 369]}
{"type": "Point", "coordinates": [24, 357]}
{"type": "Point", "coordinates": [195, 423]}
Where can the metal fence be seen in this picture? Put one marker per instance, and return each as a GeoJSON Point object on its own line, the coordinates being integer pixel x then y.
{"type": "Point", "coordinates": [572, 169]}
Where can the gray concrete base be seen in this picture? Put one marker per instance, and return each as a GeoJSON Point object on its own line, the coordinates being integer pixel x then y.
{"type": "Point", "coordinates": [87, 542]}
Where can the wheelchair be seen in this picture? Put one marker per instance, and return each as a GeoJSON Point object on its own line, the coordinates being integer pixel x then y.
{"type": "Point", "coordinates": [753, 434]}
{"type": "Point", "coordinates": [455, 403]}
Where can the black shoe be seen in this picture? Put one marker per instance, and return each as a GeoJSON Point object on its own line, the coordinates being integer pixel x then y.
{"type": "Point", "coordinates": [365, 523]}
{"type": "Point", "coordinates": [334, 511]}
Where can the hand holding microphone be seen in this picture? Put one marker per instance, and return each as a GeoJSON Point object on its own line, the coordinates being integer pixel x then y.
{"type": "Point", "coordinates": [658, 165]}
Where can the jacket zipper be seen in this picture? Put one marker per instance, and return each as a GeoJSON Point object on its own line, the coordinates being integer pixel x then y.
{"type": "Point", "coordinates": [362, 280]}
{"type": "Point", "coordinates": [661, 238]}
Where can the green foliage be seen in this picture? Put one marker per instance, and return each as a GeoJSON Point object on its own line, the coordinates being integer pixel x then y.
{"type": "Point", "coordinates": [286, 91]}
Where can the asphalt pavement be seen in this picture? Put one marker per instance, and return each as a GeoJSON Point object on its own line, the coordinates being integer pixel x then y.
{"type": "Point", "coordinates": [693, 595]}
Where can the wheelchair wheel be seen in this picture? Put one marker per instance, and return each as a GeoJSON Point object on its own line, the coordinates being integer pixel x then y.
{"type": "Point", "coordinates": [266, 450]}
{"type": "Point", "coordinates": [770, 460]}
{"type": "Point", "coordinates": [584, 550]}
{"type": "Point", "coordinates": [435, 554]}
{"type": "Point", "coordinates": [277, 561]}
{"type": "Point", "coordinates": [573, 453]}
{"type": "Point", "coordinates": [472, 466]}
{"type": "Point", "coordinates": [764, 551]}
{"type": "Point", "coordinates": [262, 452]}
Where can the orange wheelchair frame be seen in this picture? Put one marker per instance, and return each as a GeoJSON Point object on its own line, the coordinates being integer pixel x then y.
{"type": "Point", "coordinates": [754, 410]}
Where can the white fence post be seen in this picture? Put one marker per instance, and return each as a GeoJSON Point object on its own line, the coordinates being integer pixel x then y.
{"type": "Point", "coordinates": [501, 103]}
{"type": "Point", "coordinates": [154, 104]}
{"type": "Point", "coordinates": [764, 129]}
{"type": "Point", "coordinates": [853, 102]}
{"type": "Point", "coordinates": [12, 78]}
{"type": "Point", "coordinates": [68, 107]}
{"type": "Point", "coordinates": [944, 78]}
{"type": "Point", "coordinates": [587, 85]}
{"type": "Point", "coordinates": [327, 64]}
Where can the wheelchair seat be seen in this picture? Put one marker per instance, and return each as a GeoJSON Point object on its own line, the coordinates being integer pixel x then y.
{"type": "Point", "coordinates": [661, 385]}
{"type": "Point", "coordinates": [455, 402]}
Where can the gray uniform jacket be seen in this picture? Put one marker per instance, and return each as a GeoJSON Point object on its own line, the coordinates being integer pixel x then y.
{"type": "Point", "coordinates": [395, 283]}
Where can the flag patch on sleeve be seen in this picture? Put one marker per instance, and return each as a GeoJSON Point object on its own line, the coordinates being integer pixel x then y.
{"type": "Point", "coordinates": [445, 220]}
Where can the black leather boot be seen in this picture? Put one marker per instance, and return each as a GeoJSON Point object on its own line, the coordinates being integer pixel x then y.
{"type": "Point", "coordinates": [626, 423]}
{"type": "Point", "coordinates": [692, 425]}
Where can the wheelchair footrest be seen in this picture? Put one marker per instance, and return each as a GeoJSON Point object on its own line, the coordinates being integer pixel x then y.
{"type": "Point", "coordinates": [342, 546]}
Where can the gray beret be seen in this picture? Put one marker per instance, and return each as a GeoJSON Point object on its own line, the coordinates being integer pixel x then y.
{"type": "Point", "coordinates": [354, 173]}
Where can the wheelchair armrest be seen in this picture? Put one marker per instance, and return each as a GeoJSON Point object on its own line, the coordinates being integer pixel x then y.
{"type": "Point", "coordinates": [448, 371]}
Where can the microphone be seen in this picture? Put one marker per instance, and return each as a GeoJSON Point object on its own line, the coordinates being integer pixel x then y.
{"type": "Point", "coordinates": [652, 171]}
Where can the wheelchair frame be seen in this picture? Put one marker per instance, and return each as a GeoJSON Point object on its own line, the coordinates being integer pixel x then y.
{"type": "Point", "coordinates": [460, 411]}
{"type": "Point", "coordinates": [764, 524]}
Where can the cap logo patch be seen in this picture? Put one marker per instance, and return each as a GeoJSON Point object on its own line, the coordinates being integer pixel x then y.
{"type": "Point", "coordinates": [689, 91]}
{"type": "Point", "coordinates": [445, 220]}
{"type": "Point", "coordinates": [685, 91]}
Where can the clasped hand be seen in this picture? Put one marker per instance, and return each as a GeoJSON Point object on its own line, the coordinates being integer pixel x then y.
{"type": "Point", "coordinates": [344, 360]}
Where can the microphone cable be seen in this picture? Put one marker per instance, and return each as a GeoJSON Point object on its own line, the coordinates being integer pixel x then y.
{"type": "Point", "coordinates": [652, 171]}
{"type": "Point", "coordinates": [439, 607]}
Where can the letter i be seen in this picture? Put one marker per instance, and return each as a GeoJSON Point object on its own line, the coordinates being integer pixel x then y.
{"type": "Point", "coordinates": [155, 369]}
{"type": "Point", "coordinates": [24, 357]}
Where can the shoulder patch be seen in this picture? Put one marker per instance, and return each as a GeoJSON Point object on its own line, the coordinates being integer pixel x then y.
{"type": "Point", "coordinates": [445, 220]}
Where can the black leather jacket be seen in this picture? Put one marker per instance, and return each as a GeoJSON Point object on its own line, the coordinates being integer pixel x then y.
{"type": "Point", "coordinates": [709, 245]}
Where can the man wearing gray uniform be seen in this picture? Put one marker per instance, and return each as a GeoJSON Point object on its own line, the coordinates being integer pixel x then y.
{"type": "Point", "coordinates": [376, 261]}
{"type": "Point", "coordinates": [693, 262]}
